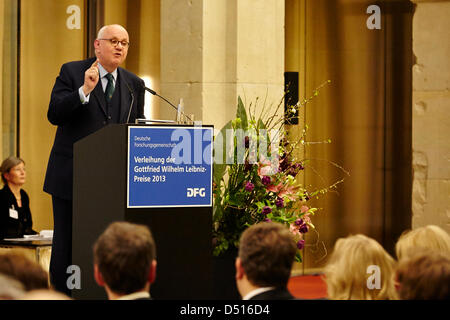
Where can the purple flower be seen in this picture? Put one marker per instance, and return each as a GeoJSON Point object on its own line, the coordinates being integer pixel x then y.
{"type": "Point", "coordinates": [300, 244]}
{"type": "Point", "coordinates": [249, 186]}
{"type": "Point", "coordinates": [306, 196]}
{"type": "Point", "coordinates": [303, 228]}
{"type": "Point", "coordinates": [294, 169]}
{"type": "Point", "coordinates": [266, 210]}
{"type": "Point", "coordinates": [284, 164]}
{"type": "Point", "coordinates": [299, 222]}
{"type": "Point", "coordinates": [267, 220]}
{"type": "Point", "coordinates": [266, 180]}
{"type": "Point", "coordinates": [279, 202]}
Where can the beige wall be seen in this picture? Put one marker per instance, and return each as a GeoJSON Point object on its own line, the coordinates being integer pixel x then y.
{"type": "Point", "coordinates": [46, 43]}
{"type": "Point", "coordinates": [143, 24]}
{"type": "Point", "coordinates": [431, 120]}
{"type": "Point", "coordinates": [116, 12]}
{"type": "Point", "coordinates": [213, 51]}
{"type": "Point", "coordinates": [181, 56]}
{"type": "Point", "coordinates": [1, 78]}
{"type": "Point", "coordinates": [8, 77]}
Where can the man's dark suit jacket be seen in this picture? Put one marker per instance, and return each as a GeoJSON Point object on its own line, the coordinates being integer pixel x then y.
{"type": "Point", "coordinates": [75, 120]}
{"type": "Point", "coordinates": [274, 294]}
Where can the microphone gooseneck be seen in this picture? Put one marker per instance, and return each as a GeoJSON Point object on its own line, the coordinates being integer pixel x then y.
{"type": "Point", "coordinates": [173, 106]}
{"type": "Point", "coordinates": [132, 100]}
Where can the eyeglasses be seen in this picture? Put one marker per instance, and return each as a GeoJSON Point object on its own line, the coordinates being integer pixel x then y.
{"type": "Point", "coordinates": [116, 42]}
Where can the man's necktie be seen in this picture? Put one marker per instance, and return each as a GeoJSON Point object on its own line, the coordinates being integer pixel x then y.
{"type": "Point", "coordinates": [109, 91]}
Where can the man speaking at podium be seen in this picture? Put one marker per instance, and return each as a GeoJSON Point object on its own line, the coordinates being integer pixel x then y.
{"type": "Point", "coordinates": [87, 96]}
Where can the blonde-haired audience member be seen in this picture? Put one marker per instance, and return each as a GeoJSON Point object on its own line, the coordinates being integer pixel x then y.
{"type": "Point", "coordinates": [360, 269]}
{"type": "Point", "coordinates": [10, 288]}
{"type": "Point", "coordinates": [428, 237]}
{"type": "Point", "coordinates": [44, 294]}
{"type": "Point", "coordinates": [424, 275]}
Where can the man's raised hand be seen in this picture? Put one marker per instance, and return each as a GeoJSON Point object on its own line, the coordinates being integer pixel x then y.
{"type": "Point", "coordinates": [91, 77]}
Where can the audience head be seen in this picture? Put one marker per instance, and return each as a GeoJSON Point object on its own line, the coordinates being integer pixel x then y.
{"type": "Point", "coordinates": [429, 237]}
{"type": "Point", "coordinates": [13, 171]}
{"type": "Point", "coordinates": [44, 294]}
{"type": "Point", "coordinates": [10, 288]}
{"type": "Point", "coordinates": [347, 272]}
{"type": "Point", "coordinates": [125, 259]}
{"type": "Point", "coordinates": [30, 273]}
{"type": "Point", "coordinates": [266, 255]}
{"type": "Point", "coordinates": [424, 275]}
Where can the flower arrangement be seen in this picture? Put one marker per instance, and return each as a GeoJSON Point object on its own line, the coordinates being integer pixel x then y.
{"type": "Point", "coordinates": [255, 177]}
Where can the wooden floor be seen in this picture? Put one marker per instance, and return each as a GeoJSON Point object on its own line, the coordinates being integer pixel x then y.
{"type": "Point", "coordinates": [308, 287]}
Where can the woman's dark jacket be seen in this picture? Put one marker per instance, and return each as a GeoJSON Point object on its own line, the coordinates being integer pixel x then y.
{"type": "Point", "coordinates": [10, 227]}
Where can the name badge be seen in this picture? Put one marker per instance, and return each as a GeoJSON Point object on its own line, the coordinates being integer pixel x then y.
{"type": "Point", "coordinates": [13, 214]}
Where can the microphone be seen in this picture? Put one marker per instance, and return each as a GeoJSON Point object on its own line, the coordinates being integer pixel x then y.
{"type": "Point", "coordinates": [173, 106]}
{"type": "Point", "coordinates": [132, 100]}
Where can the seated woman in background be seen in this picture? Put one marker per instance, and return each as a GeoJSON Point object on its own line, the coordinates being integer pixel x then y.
{"type": "Point", "coordinates": [430, 237]}
{"type": "Point", "coordinates": [15, 214]}
{"type": "Point", "coordinates": [360, 269]}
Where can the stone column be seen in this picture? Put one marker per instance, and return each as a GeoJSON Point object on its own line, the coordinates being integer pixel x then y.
{"type": "Point", "coordinates": [431, 120]}
{"type": "Point", "coordinates": [213, 51]}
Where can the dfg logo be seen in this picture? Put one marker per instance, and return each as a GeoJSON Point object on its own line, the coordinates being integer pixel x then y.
{"type": "Point", "coordinates": [194, 192]}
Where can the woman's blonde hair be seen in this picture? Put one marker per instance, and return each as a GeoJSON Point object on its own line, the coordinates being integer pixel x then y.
{"type": "Point", "coordinates": [428, 237]}
{"type": "Point", "coordinates": [347, 272]}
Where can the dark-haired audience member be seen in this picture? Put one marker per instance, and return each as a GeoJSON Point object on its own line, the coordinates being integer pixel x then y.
{"type": "Point", "coordinates": [15, 214]}
{"type": "Point", "coordinates": [424, 275]}
{"type": "Point", "coordinates": [28, 272]}
{"type": "Point", "coordinates": [263, 266]}
{"type": "Point", "coordinates": [354, 266]}
{"type": "Point", "coordinates": [125, 261]}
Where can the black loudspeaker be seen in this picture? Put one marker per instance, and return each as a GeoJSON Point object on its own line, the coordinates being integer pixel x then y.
{"type": "Point", "coordinates": [291, 97]}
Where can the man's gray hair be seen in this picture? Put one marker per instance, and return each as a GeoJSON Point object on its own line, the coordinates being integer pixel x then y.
{"type": "Point", "coordinates": [102, 30]}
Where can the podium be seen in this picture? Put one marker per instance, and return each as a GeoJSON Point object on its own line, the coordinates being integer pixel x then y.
{"type": "Point", "coordinates": [116, 178]}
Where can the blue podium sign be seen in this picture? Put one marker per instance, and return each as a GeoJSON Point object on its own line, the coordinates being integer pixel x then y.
{"type": "Point", "coordinates": [169, 166]}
